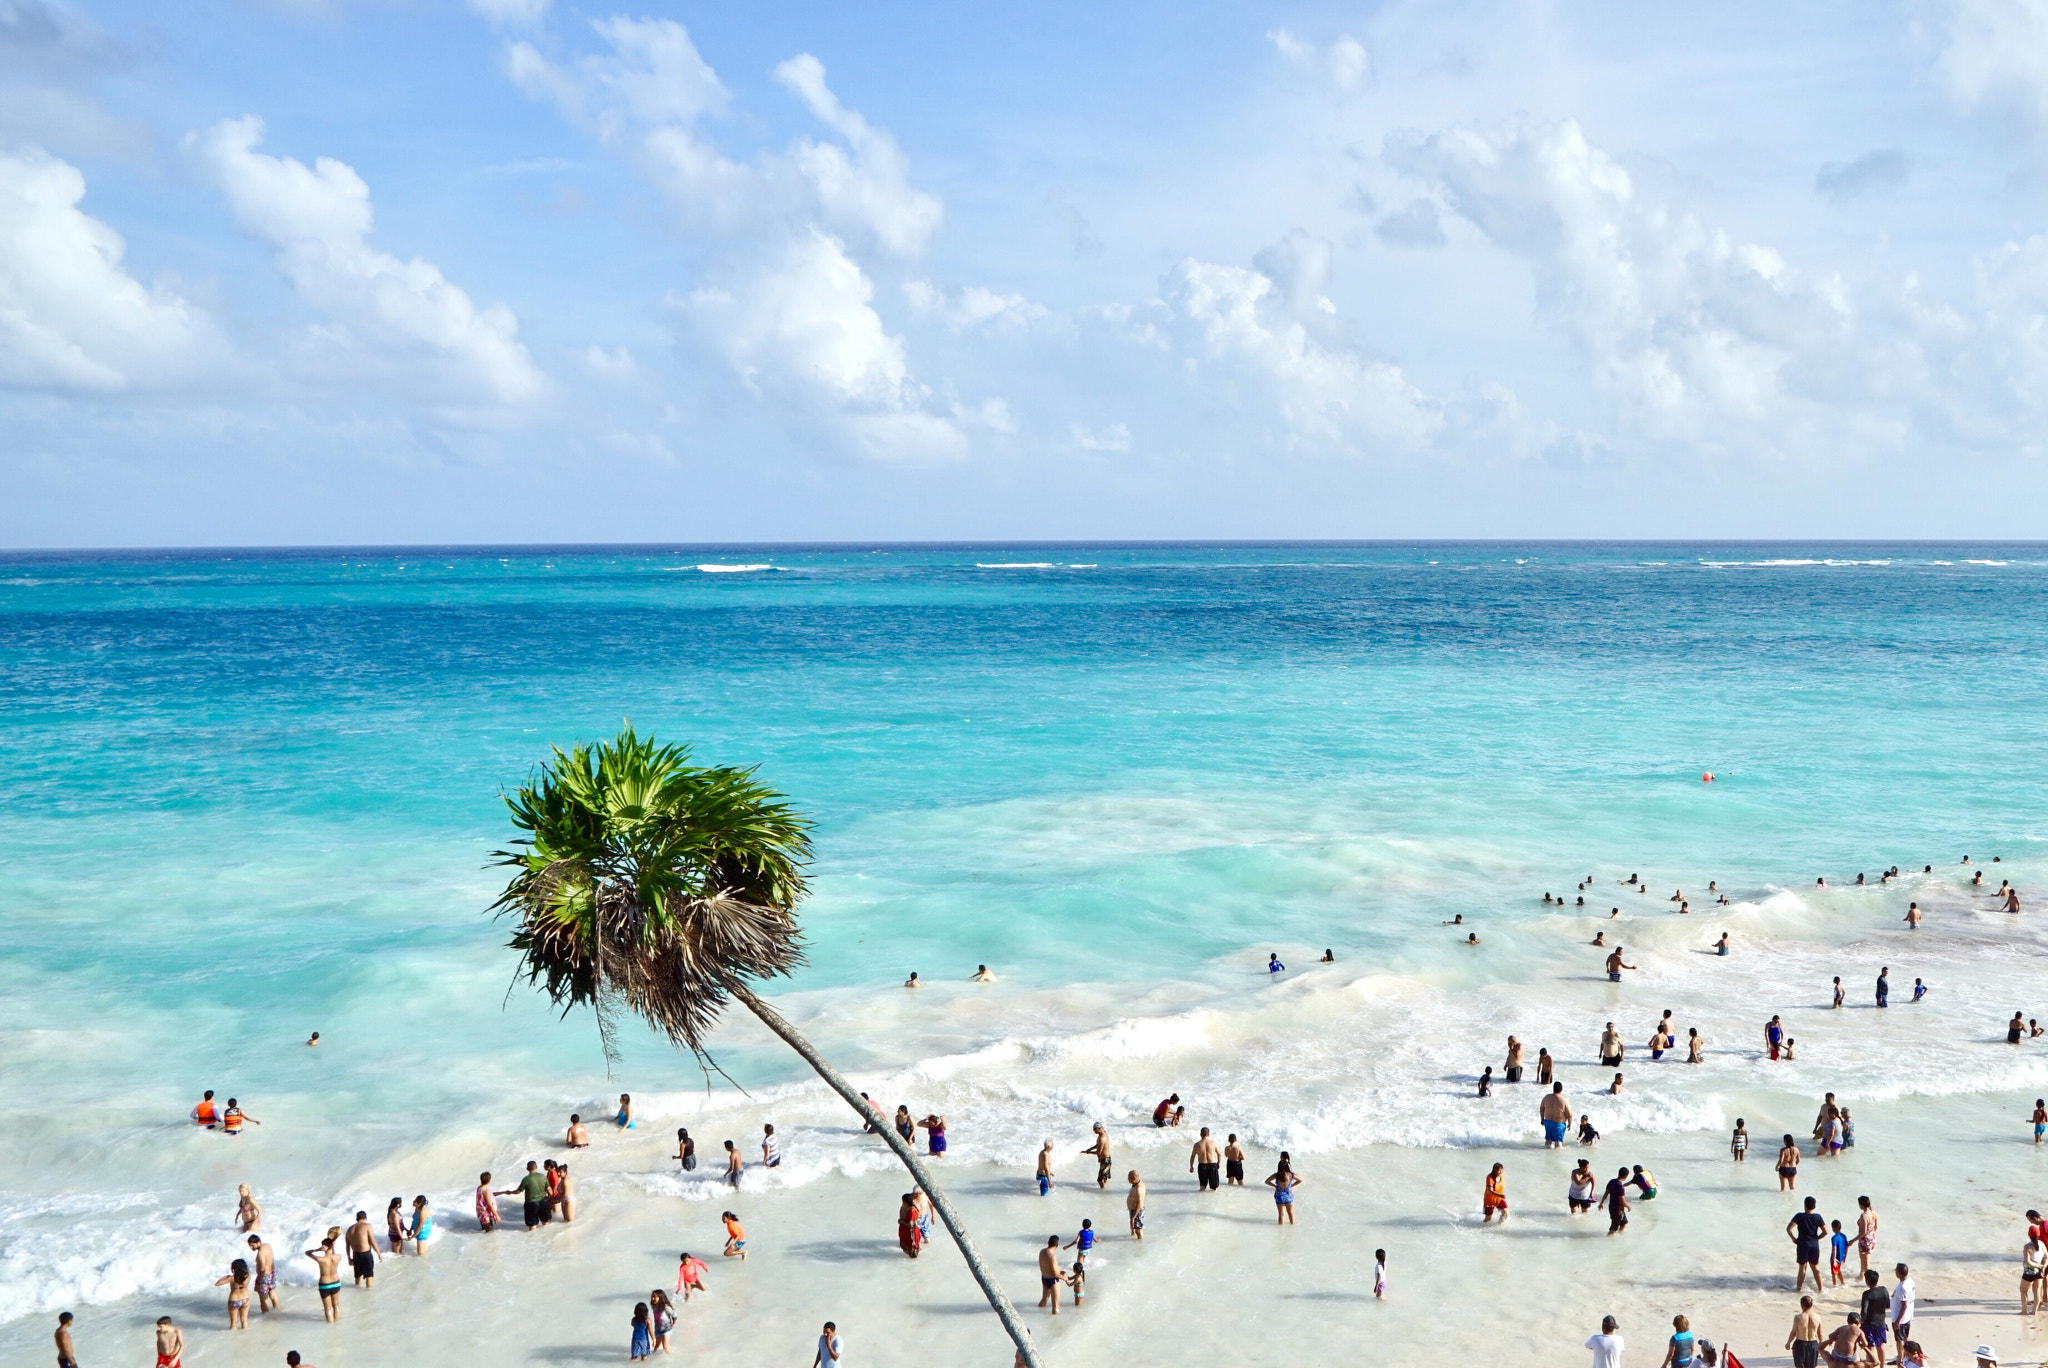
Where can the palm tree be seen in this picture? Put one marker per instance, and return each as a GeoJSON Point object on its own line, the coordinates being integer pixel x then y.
{"type": "Point", "coordinates": [649, 884]}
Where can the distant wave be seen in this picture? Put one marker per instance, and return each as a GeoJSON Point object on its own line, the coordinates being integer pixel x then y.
{"type": "Point", "coordinates": [1986, 562]}
{"type": "Point", "coordinates": [732, 569]}
{"type": "Point", "coordinates": [1015, 565]}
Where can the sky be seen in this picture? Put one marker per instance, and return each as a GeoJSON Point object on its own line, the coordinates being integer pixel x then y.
{"type": "Point", "coordinates": [505, 271]}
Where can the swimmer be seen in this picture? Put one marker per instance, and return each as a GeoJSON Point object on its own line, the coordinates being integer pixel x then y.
{"type": "Point", "coordinates": [1721, 945]}
{"type": "Point", "coordinates": [1913, 916]}
{"type": "Point", "coordinates": [1472, 939]}
{"type": "Point", "coordinates": [1273, 964]}
{"type": "Point", "coordinates": [578, 1136]}
{"type": "Point", "coordinates": [1722, 900]}
{"type": "Point", "coordinates": [232, 1118]}
{"type": "Point", "coordinates": [2012, 900]}
{"type": "Point", "coordinates": [623, 1119]}
{"type": "Point", "coordinates": [1838, 991]}
{"type": "Point", "coordinates": [1615, 964]}
{"type": "Point", "coordinates": [1919, 990]}
{"type": "Point", "coordinates": [1458, 920]}
{"type": "Point", "coordinates": [1711, 888]}
{"type": "Point", "coordinates": [313, 1039]}
{"type": "Point", "coordinates": [982, 975]}
{"type": "Point", "coordinates": [1613, 912]}
{"type": "Point", "coordinates": [1329, 957]}
{"type": "Point", "coordinates": [1820, 883]}
{"type": "Point", "coordinates": [1614, 1088]}
{"type": "Point", "coordinates": [1599, 938]}
{"type": "Point", "coordinates": [206, 1113]}
{"type": "Point", "coordinates": [1581, 902]}
{"type": "Point", "coordinates": [912, 981]}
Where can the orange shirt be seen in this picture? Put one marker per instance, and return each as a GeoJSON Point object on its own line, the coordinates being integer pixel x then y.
{"type": "Point", "coordinates": [734, 1231]}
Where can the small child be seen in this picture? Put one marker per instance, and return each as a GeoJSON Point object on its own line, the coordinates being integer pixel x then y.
{"type": "Point", "coordinates": [1379, 1274]}
{"type": "Point", "coordinates": [643, 1335]}
{"type": "Point", "coordinates": [1078, 1277]}
{"type": "Point", "coordinates": [1587, 1135]}
{"type": "Point", "coordinates": [1838, 1250]}
{"type": "Point", "coordinates": [1738, 1143]}
{"type": "Point", "coordinates": [1084, 1238]}
{"type": "Point", "coordinates": [1848, 1130]}
{"type": "Point", "coordinates": [2040, 1118]}
{"type": "Point", "coordinates": [690, 1275]}
{"type": "Point", "coordinates": [486, 1204]}
{"type": "Point", "coordinates": [1789, 1043]}
{"type": "Point", "coordinates": [735, 1237]}
{"type": "Point", "coordinates": [1919, 990]}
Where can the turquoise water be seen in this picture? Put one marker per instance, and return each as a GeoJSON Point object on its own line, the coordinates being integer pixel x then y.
{"type": "Point", "coordinates": [250, 795]}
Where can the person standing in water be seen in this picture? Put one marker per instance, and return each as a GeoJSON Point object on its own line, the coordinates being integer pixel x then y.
{"type": "Point", "coordinates": [1611, 1048]}
{"type": "Point", "coordinates": [1134, 1205]}
{"type": "Point", "coordinates": [1884, 996]}
{"type": "Point", "coordinates": [1555, 1112]}
{"type": "Point", "coordinates": [1806, 1230]}
{"type": "Point", "coordinates": [1545, 1066]}
{"type": "Point", "coordinates": [1738, 1143]}
{"type": "Point", "coordinates": [1494, 1200]}
{"type": "Point", "coordinates": [329, 1263]}
{"type": "Point", "coordinates": [686, 1148]}
{"type": "Point", "coordinates": [1283, 1182]}
{"type": "Point", "coordinates": [1049, 1276]}
{"type": "Point", "coordinates": [361, 1245]}
{"type": "Point", "coordinates": [1512, 1070]}
{"type": "Point", "coordinates": [1615, 1199]}
{"type": "Point", "coordinates": [1101, 1150]}
{"type": "Point", "coordinates": [1788, 1166]}
{"type": "Point", "coordinates": [170, 1343]}
{"type": "Point", "coordinates": [1044, 1174]}
{"type": "Point", "coordinates": [1233, 1161]}
{"type": "Point", "coordinates": [1615, 964]}
{"type": "Point", "coordinates": [265, 1259]}
{"type": "Point", "coordinates": [1205, 1161]}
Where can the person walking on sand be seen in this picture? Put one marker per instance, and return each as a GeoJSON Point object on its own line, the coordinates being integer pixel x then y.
{"type": "Point", "coordinates": [1134, 1205]}
{"type": "Point", "coordinates": [1556, 1114]}
{"type": "Point", "coordinates": [831, 1351]}
{"type": "Point", "coordinates": [1233, 1161]}
{"type": "Point", "coordinates": [1679, 1353]}
{"type": "Point", "coordinates": [1283, 1182]}
{"type": "Point", "coordinates": [1610, 1048]}
{"type": "Point", "coordinates": [1866, 1238]}
{"type": "Point", "coordinates": [1494, 1200]}
{"type": "Point", "coordinates": [1049, 1276]}
{"type": "Point", "coordinates": [1205, 1161]}
{"type": "Point", "coordinates": [1101, 1150]}
{"type": "Point", "coordinates": [1044, 1174]}
{"type": "Point", "coordinates": [265, 1260]}
{"type": "Point", "coordinates": [624, 1117]}
{"type": "Point", "coordinates": [170, 1343]}
{"type": "Point", "coordinates": [1874, 1314]}
{"type": "Point", "coordinates": [1804, 1338]}
{"type": "Point", "coordinates": [1606, 1345]}
{"type": "Point", "coordinates": [329, 1263]}
{"type": "Point", "coordinates": [361, 1244]}
{"type": "Point", "coordinates": [1806, 1230]}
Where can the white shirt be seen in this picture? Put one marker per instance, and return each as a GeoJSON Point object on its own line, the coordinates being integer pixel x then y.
{"type": "Point", "coordinates": [1902, 1301]}
{"type": "Point", "coordinates": [828, 1345]}
{"type": "Point", "coordinates": [1606, 1351]}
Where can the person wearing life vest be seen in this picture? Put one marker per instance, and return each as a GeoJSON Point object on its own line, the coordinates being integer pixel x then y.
{"type": "Point", "coordinates": [206, 1114]}
{"type": "Point", "coordinates": [231, 1120]}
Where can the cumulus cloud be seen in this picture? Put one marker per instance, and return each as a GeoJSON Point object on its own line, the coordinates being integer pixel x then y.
{"type": "Point", "coordinates": [801, 326]}
{"type": "Point", "coordinates": [403, 319]}
{"type": "Point", "coordinates": [1344, 63]}
{"type": "Point", "coordinates": [867, 188]}
{"type": "Point", "coordinates": [70, 317]}
{"type": "Point", "coordinates": [1265, 336]}
{"type": "Point", "coordinates": [1882, 169]}
{"type": "Point", "coordinates": [1688, 324]}
{"type": "Point", "coordinates": [971, 306]}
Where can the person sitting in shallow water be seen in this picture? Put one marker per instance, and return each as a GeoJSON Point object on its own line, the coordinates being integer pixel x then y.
{"type": "Point", "coordinates": [1587, 1135]}
{"type": "Point", "coordinates": [1472, 939]}
{"type": "Point", "coordinates": [1329, 957]}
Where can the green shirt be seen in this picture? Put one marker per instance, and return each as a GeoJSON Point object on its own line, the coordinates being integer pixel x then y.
{"type": "Point", "coordinates": [534, 1187]}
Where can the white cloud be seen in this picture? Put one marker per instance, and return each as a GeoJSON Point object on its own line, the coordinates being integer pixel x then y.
{"type": "Point", "coordinates": [512, 13]}
{"type": "Point", "coordinates": [1996, 58]}
{"type": "Point", "coordinates": [1114, 438]}
{"type": "Point", "coordinates": [1344, 63]}
{"type": "Point", "coordinates": [70, 317]}
{"type": "Point", "coordinates": [801, 326]}
{"type": "Point", "coordinates": [403, 319]}
{"type": "Point", "coordinates": [1267, 336]}
{"type": "Point", "coordinates": [615, 366]}
{"type": "Point", "coordinates": [1691, 326]}
{"type": "Point", "coordinates": [870, 189]}
{"type": "Point", "coordinates": [972, 306]}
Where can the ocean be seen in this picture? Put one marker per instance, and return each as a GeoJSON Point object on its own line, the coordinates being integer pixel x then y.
{"type": "Point", "coordinates": [254, 794]}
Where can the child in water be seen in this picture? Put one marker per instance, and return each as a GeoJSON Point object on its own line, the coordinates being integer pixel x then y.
{"type": "Point", "coordinates": [1738, 1144]}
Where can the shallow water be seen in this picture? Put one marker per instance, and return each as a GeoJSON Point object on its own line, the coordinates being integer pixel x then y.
{"type": "Point", "coordinates": [250, 796]}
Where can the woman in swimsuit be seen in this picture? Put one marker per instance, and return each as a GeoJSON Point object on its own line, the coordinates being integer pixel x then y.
{"type": "Point", "coordinates": [1788, 1166]}
{"type": "Point", "coordinates": [394, 1224]}
{"type": "Point", "coordinates": [422, 1228]}
{"type": "Point", "coordinates": [624, 1119]}
{"type": "Point", "coordinates": [1866, 1232]}
{"type": "Point", "coordinates": [935, 1133]}
{"type": "Point", "coordinates": [686, 1149]}
{"type": "Point", "coordinates": [1283, 1182]}
{"type": "Point", "coordinates": [237, 1284]}
{"type": "Point", "coordinates": [486, 1204]}
{"type": "Point", "coordinates": [247, 1211]}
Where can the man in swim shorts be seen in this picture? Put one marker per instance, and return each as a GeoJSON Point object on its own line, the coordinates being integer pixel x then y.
{"type": "Point", "coordinates": [67, 1354]}
{"type": "Point", "coordinates": [1134, 1205]}
{"type": "Point", "coordinates": [1615, 964]}
{"type": "Point", "coordinates": [1804, 1341]}
{"type": "Point", "coordinates": [170, 1344]}
{"type": "Point", "coordinates": [1049, 1274]}
{"type": "Point", "coordinates": [1806, 1230]}
{"type": "Point", "coordinates": [1556, 1113]}
{"type": "Point", "coordinates": [1100, 1149]}
{"type": "Point", "coordinates": [264, 1260]}
{"type": "Point", "coordinates": [361, 1244]}
{"type": "Point", "coordinates": [1233, 1162]}
{"type": "Point", "coordinates": [1874, 1312]}
{"type": "Point", "coordinates": [1610, 1048]}
{"type": "Point", "coordinates": [1204, 1161]}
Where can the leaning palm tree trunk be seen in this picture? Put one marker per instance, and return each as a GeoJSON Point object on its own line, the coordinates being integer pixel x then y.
{"type": "Point", "coordinates": [775, 1022]}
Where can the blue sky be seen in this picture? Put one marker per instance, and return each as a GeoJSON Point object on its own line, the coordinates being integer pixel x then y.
{"type": "Point", "coordinates": [513, 270]}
